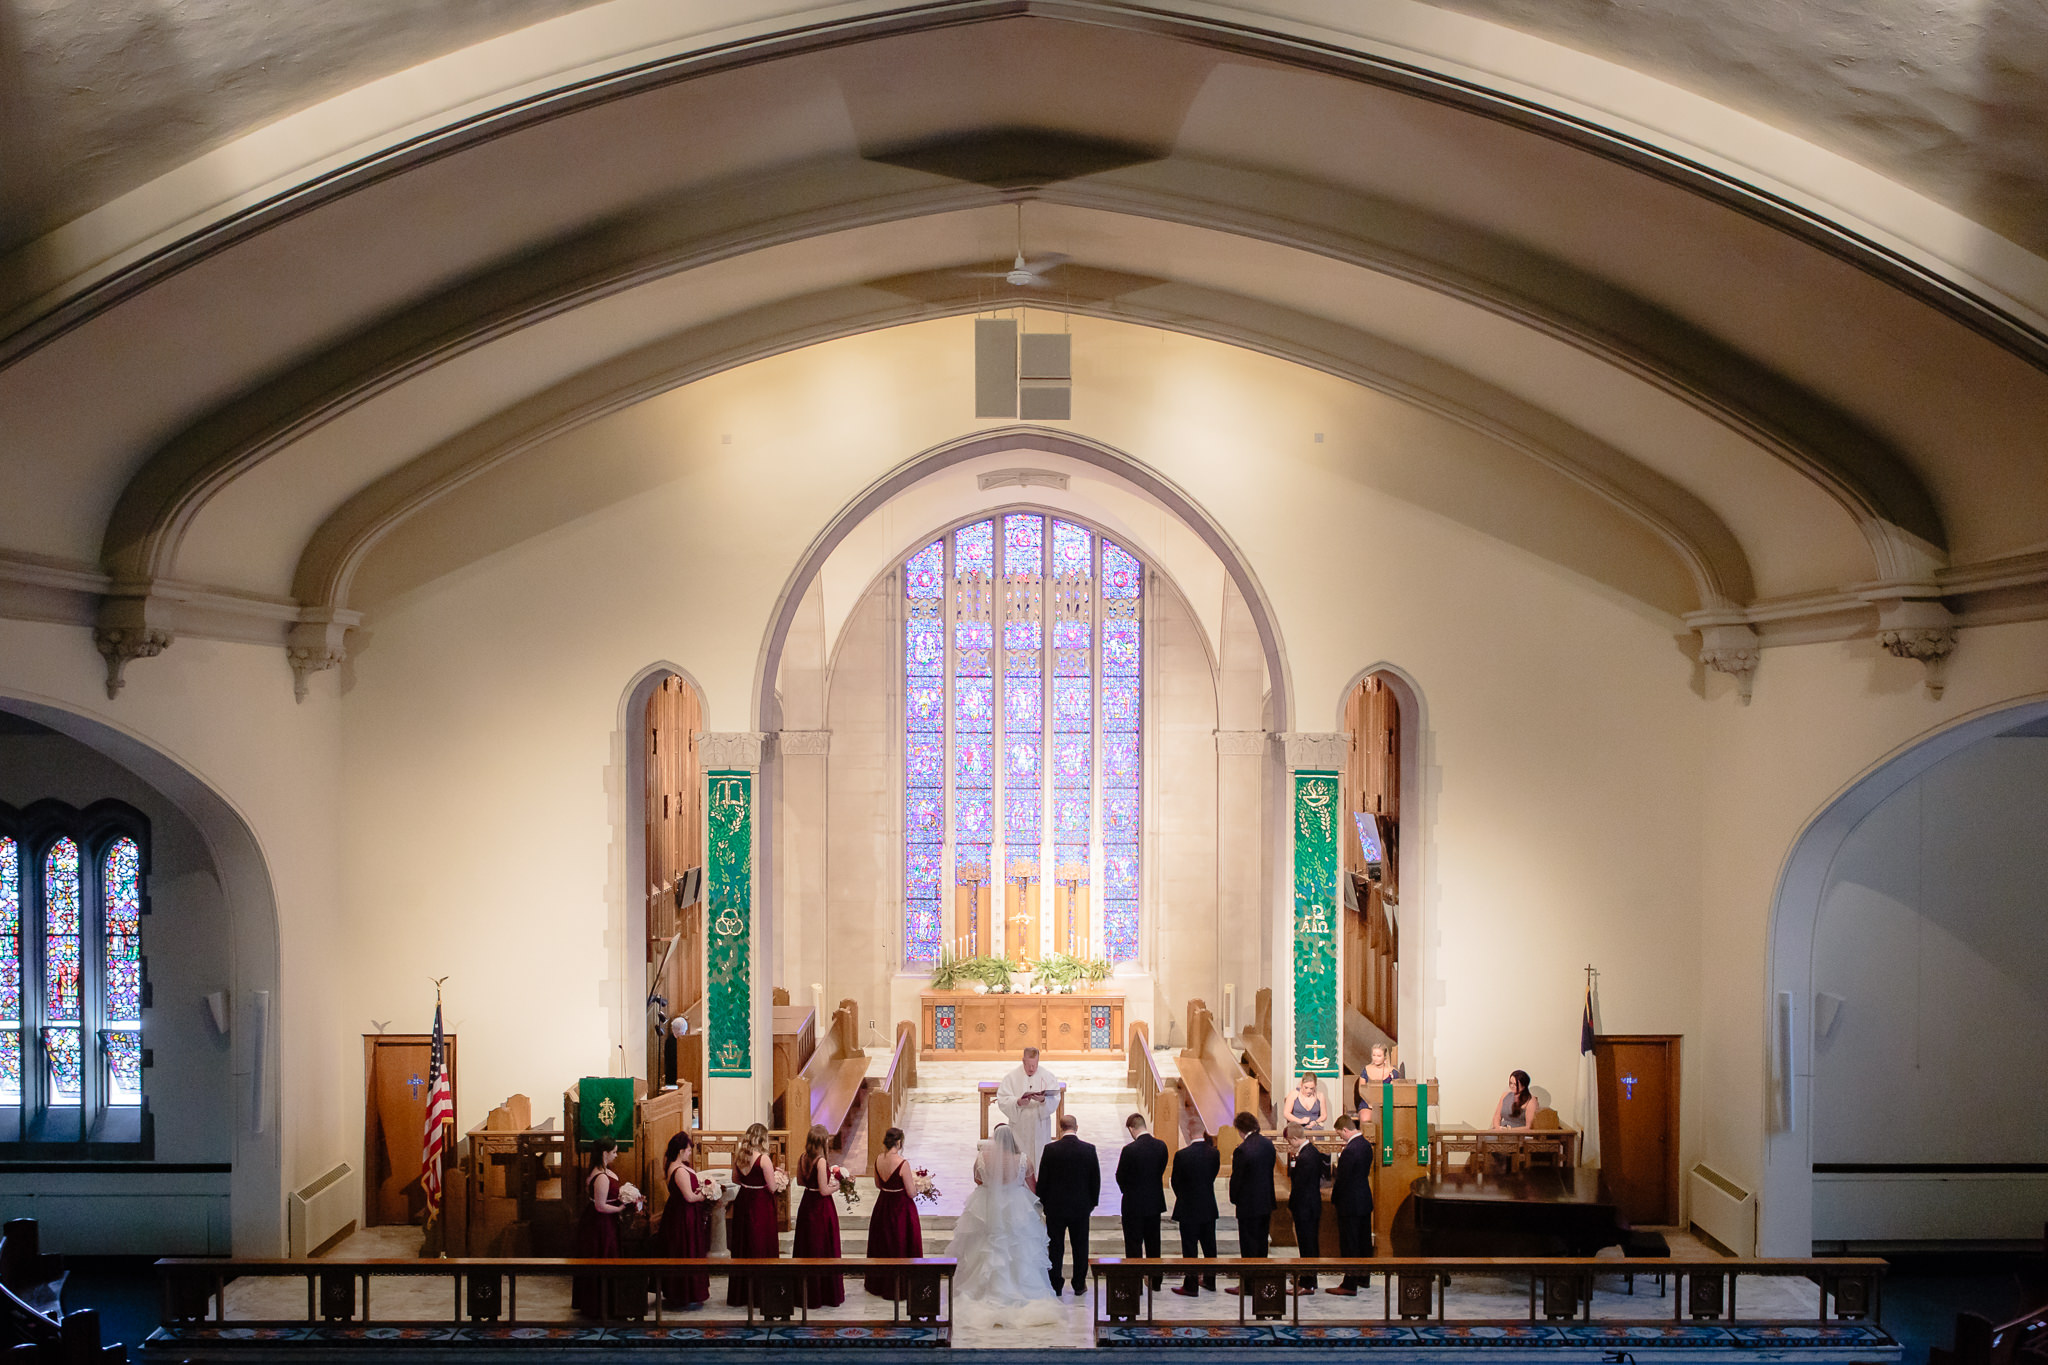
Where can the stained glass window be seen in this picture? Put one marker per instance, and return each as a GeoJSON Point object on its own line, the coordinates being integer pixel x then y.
{"type": "Point", "coordinates": [63, 906]}
{"type": "Point", "coordinates": [1023, 693]}
{"type": "Point", "coordinates": [1122, 689]}
{"type": "Point", "coordinates": [10, 971]}
{"type": "Point", "coordinates": [1023, 688]}
{"type": "Point", "coordinates": [121, 964]}
{"type": "Point", "coordinates": [924, 750]}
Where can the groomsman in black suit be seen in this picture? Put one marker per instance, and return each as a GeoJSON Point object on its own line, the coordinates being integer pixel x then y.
{"type": "Point", "coordinates": [1194, 1204]}
{"type": "Point", "coordinates": [1141, 1176]}
{"type": "Point", "coordinates": [1251, 1188]}
{"type": "Point", "coordinates": [1351, 1202]}
{"type": "Point", "coordinates": [1305, 1168]}
{"type": "Point", "coordinates": [1069, 1188]}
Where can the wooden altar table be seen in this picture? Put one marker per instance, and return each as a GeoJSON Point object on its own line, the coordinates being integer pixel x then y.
{"type": "Point", "coordinates": [965, 1026]}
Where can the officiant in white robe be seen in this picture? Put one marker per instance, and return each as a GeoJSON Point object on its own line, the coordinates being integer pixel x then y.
{"type": "Point", "coordinates": [1031, 1120]}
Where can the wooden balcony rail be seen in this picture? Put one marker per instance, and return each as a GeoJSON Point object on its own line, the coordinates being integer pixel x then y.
{"type": "Point", "coordinates": [1560, 1288]}
{"type": "Point", "coordinates": [481, 1290]}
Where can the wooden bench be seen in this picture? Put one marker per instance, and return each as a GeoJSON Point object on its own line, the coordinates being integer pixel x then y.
{"type": "Point", "coordinates": [1216, 1084]}
{"type": "Point", "coordinates": [31, 1299]}
{"type": "Point", "coordinates": [1257, 1042]}
{"type": "Point", "coordinates": [1550, 1143]}
{"type": "Point", "coordinates": [1158, 1096]}
{"type": "Point", "coordinates": [829, 1085]}
{"type": "Point", "coordinates": [889, 1093]}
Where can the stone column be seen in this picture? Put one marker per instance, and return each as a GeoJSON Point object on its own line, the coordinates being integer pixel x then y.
{"type": "Point", "coordinates": [736, 1014]}
{"type": "Point", "coordinates": [1315, 822]}
{"type": "Point", "coordinates": [801, 895]}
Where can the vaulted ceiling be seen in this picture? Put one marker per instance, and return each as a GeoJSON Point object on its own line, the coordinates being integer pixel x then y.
{"type": "Point", "coordinates": [1769, 289]}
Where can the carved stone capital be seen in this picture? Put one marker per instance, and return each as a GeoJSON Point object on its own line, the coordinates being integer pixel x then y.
{"type": "Point", "coordinates": [316, 644]}
{"type": "Point", "coordinates": [1242, 743]}
{"type": "Point", "coordinates": [1919, 628]}
{"type": "Point", "coordinates": [1732, 648]}
{"type": "Point", "coordinates": [1321, 750]}
{"type": "Point", "coordinates": [803, 743]}
{"type": "Point", "coordinates": [133, 624]}
{"type": "Point", "coordinates": [730, 749]}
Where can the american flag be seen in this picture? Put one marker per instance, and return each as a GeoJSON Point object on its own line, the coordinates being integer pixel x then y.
{"type": "Point", "coordinates": [440, 1113]}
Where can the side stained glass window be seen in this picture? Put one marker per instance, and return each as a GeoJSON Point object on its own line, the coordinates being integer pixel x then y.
{"type": "Point", "coordinates": [1122, 700]}
{"type": "Point", "coordinates": [63, 905]}
{"type": "Point", "coordinates": [121, 964]}
{"type": "Point", "coordinates": [10, 971]}
{"type": "Point", "coordinates": [924, 749]}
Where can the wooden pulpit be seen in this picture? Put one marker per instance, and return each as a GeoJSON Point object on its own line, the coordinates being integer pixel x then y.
{"type": "Point", "coordinates": [1400, 1151]}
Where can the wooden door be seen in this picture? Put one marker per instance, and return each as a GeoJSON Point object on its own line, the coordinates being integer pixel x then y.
{"type": "Point", "coordinates": [1638, 1084]}
{"type": "Point", "coordinates": [394, 1124]}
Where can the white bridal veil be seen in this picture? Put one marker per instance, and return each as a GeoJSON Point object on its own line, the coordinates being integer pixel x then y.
{"type": "Point", "coordinates": [1004, 1278]}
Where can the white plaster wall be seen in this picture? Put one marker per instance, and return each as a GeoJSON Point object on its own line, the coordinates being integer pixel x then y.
{"type": "Point", "coordinates": [864, 867]}
{"type": "Point", "coordinates": [222, 716]}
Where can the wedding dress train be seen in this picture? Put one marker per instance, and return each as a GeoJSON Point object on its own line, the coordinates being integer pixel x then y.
{"type": "Point", "coordinates": [1004, 1276]}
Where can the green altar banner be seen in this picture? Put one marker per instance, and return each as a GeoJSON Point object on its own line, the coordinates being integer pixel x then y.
{"type": "Point", "coordinates": [1316, 1050]}
{"type": "Point", "coordinates": [729, 900]}
{"type": "Point", "coordinates": [604, 1109]}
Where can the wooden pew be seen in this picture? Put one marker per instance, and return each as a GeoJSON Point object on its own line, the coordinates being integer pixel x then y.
{"type": "Point", "coordinates": [1158, 1096]}
{"type": "Point", "coordinates": [1257, 1042]}
{"type": "Point", "coordinates": [830, 1083]}
{"type": "Point", "coordinates": [888, 1097]}
{"type": "Point", "coordinates": [795, 1039]}
{"type": "Point", "coordinates": [1216, 1084]}
{"type": "Point", "coordinates": [31, 1301]}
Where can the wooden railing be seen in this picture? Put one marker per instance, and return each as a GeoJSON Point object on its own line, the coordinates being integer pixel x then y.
{"type": "Point", "coordinates": [1158, 1097]}
{"type": "Point", "coordinates": [1257, 1042]}
{"type": "Point", "coordinates": [889, 1093]}
{"type": "Point", "coordinates": [31, 1299]}
{"type": "Point", "coordinates": [194, 1290]}
{"type": "Point", "coordinates": [1560, 1288]}
{"type": "Point", "coordinates": [1214, 1081]}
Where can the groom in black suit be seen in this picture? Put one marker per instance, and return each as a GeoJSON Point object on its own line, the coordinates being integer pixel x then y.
{"type": "Point", "coordinates": [1069, 1187]}
{"type": "Point", "coordinates": [1141, 1176]}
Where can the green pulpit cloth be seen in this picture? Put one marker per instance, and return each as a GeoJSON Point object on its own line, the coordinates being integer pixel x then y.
{"type": "Point", "coordinates": [604, 1109]}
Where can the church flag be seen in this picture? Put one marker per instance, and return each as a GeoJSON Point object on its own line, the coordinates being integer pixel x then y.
{"type": "Point", "coordinates": [440, 1113]}
{"type": "Point", "coordinates": [1586, 1115]}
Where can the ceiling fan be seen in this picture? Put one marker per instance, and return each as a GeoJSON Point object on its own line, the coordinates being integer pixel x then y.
{"type": "Point", "coordinates": [1023, 274]}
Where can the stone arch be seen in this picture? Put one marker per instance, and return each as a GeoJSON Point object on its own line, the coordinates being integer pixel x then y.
{"type": "Point", "coordinates": [256, 1203]}
{"type": "Point", "coordinates": [1785, 1213]}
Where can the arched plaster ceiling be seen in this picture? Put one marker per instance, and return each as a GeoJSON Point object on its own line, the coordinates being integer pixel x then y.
{"type": "Point", "coordinates": [1949, 98]}
{"type": "Point", "coordinates": [326, 352]}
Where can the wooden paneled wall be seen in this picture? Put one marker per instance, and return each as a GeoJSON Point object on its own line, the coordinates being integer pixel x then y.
{"type": "Point", "coordinates": [675, 844]}
{"type": "Point", "coordinates": [1372, 783]}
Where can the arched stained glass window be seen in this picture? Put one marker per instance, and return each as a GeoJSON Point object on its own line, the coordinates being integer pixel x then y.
{"type": "Point", "coordinates": [63, 913]}
{"type": "Point", "coordinates": [10, 971]}
{"type": "Point", "coordinates": [1023, 704]}
{"type": "Point", "coordinates": [121, 962]}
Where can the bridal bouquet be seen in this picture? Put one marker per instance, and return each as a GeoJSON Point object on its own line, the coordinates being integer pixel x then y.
{"type": "Point", "coordinates": [923, 1186]}
{"type": "Point", "coordinates": [847, 1191]}
{"type": "Point", "coordinates": [630, 1195]}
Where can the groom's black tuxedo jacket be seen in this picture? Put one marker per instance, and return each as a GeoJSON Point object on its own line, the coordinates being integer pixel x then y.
{"type": "Point", "coordinates": [1141, 1175]}
{"type": "Point", "coordinates": [1069, 1178]}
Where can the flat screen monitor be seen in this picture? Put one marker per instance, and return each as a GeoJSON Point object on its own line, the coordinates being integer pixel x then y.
{"type": "Point", "coordinates": [1370, 844]}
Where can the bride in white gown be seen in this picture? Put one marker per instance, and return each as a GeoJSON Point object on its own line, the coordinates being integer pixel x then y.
{"type": "Point", "coordinates": [1004, 1278]}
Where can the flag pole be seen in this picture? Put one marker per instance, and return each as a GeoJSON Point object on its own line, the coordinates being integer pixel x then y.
{"type": "Point", "coordinates": [1588, 1107]}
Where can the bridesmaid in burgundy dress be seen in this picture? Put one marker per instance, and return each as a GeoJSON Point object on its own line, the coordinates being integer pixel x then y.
{"type": "Point", "coordinates": [685, 1227]}
{"type": "Point", "coordinates": [817, 1220]}
{"type": "Point", "coordinates": [597, 1229]}
{"type": "Point", "coordinates": [893, 1228]}
{"type": "Point", "coordinates": [753, 1212]}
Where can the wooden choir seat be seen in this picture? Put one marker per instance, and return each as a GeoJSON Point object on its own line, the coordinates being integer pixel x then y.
{"type": "Point", "coordinates": [37, 1280]}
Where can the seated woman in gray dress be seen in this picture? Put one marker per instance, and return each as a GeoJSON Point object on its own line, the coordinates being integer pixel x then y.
{"type": "Point", "coordinates": [1517, 1108]}
{"type": "Point", "coordinates": [1305, 1106]}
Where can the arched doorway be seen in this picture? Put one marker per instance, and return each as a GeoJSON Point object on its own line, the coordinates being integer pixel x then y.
{"type": "Point", "coordinates": [1844, 878]}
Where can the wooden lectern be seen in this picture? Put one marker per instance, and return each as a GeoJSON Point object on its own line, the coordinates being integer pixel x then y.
{"type": "Point", "coordinates": [1398, 1156]}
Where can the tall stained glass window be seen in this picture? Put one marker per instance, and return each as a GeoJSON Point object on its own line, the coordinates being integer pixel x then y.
{"type": "Point", "coordinates": [63, 912]}
{"type": "Point", "coordinates": [10, 971]}
{"type": "Point", "coordinates": [924, 749]}
{"type": "Point", "coordinates": [121, 964]}
{"type": "Point", "coordinates": [1022, 658]}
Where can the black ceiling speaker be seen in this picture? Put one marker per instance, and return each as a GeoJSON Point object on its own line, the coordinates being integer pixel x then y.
{"type": "Point", "coordinates": [1016, 158]}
